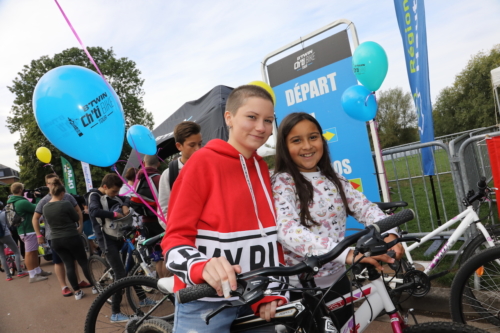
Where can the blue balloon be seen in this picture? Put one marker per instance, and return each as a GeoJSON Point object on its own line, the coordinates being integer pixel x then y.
{"type": "Point", "coordinates": [370, 64]}
{"type": "Point", "coordinates": [359, 103]}
{"type": "Point", "coordinates": [80, 114]}
{"type": "Point", "coordinates": [141, 139]}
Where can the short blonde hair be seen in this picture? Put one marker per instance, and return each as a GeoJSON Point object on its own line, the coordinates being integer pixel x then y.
{"type": "Point", "coordinates": [16, 188]}
{"type": "Point", "coordinates": [239, 95]}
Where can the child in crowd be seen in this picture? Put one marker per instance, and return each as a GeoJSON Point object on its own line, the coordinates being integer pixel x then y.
{"type": "Point", "coordinates": [188, 139]}
{"type": "Point", "coordinates": [7, 240]}
{"type": "Point", "coordinates": [62, 219]}
{"type": "Point", "coordinates": [312, 204]}
{"type": "Point", "coordinates": [220, 208]}
{"type": "Point", "coordinates": [110, 186]}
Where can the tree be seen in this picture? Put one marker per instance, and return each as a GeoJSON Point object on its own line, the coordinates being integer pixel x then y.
{"type": "Point", "coordinates": [468, 103]}
{"type": "Point", "coordinates": [123, 76]}
{"type": "Point", "coordinates": [396, 117]}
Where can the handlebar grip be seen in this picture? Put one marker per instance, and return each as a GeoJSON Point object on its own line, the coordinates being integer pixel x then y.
{"type": "Point", "coordinates": [395, 220]}
{"type": "Point", "coordinates": [481, 184]}
{"type": "Point", "coordinates": [195, 292]}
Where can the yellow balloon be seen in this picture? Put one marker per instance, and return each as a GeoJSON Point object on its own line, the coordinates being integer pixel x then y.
{"type": "Point", "coordinates": [267, 87]}
{"type": "Point", "coordinates": [44, 154]}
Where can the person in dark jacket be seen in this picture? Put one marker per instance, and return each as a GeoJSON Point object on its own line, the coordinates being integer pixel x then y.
{"type": "Point", "coordinates": [110, 186]}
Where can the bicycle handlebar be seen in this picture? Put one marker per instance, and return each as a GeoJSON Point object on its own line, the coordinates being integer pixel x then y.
{"type": "Point", "coordinates": [204, 290]}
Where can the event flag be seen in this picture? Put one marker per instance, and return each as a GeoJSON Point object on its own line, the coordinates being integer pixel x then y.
{"type": "Point", "coordinates": [411, 21]}
{"type": "Point", "coordinates": [69, 176]}
{"type": "Point", "coordinates": [87, 175]}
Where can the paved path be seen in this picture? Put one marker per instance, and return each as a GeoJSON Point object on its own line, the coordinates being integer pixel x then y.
{"type": "Point", "coordinates": [40, 307]}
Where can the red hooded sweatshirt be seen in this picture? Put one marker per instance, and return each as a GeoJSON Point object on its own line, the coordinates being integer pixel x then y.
{"type": "Point", "coordinates": [212, 213]}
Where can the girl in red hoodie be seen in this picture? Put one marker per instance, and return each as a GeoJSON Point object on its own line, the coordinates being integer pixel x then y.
{"type": "Point", "coordinates": [221, 217]}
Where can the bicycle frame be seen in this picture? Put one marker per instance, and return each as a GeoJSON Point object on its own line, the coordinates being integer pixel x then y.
{"type": "Point", "coordinates": [468, 216]}
{"type": "Point", "coordinates": [377, 300]}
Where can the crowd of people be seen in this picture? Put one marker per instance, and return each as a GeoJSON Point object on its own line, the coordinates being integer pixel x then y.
{"type": "Point", "coordinates": [221, 211]}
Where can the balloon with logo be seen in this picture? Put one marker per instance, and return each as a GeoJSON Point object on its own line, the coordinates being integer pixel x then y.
{"type": "Point", "coordinates": [80, 114]}
{"type": "Point", "coordinates": [141, 139]}
{"type": "Point", "coordinates": [370, 64]}
{"type": "Point", "coordinates": [44, 155]}
{"type": "Point", "coordinates": [359, 103]}
{"type": "Point", "coordinates": [267, 87]}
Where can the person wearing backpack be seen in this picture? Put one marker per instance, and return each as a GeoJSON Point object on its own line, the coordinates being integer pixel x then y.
{"type": "Point", "coordinates": [187, 136]}
{"type": "Point", "coordinates": [7, 240]}
{"type": "Point", "coordinates": [111, 246]}
{"type": "Point", "coordinates": [26, 209]}
{"type": "Point", "coordinates": [149, 219]}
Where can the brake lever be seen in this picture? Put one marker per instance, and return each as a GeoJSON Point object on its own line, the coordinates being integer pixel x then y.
{"type": "Point", "coordinates": [402, 239]}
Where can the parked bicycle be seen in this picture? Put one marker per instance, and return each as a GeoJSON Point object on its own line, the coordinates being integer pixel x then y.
{"type": "Point", "coordinates": [101, 272]}
{"type": "Point", "coordinates": [475, 291]}
{"type": "Point", "coordinates": [310, 314]}
{"type": "Point", "coordinates": [417, 283]}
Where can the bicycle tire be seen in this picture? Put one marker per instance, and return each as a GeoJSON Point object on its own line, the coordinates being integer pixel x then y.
{"type": "Point", "coordinates": [86, 245]}
{"type": "Point", "coordinates": [154, 326]}
{"type": "Point", "coordinates": [98, 266]}
{"type": "Point", "coordinates": [477, 286]}
{"type": "Point", "coordinates": [479, 243]}
{"type": "Point", "coordinates": [98, 317]}
{"type": "Point", "coordinates": [442, 327]}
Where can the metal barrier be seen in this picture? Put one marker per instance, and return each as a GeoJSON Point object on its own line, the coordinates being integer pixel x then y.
{"type": "Point", "coordinates": [404, 170]}
{"type": "Point", "coordinates": [458, 165]}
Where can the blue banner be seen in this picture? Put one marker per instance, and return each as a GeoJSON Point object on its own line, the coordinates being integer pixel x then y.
{"type": "Point", "coordinates": [312, 80]}
{"type": "Point", "coordinates": [411, 21]}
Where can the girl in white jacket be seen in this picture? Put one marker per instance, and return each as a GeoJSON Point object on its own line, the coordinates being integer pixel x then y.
{"type": "Point", "coordinates": [312, 204]}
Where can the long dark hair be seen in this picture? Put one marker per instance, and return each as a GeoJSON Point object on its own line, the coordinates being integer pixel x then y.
{"type": "Point", "coordinates": [284, 163]}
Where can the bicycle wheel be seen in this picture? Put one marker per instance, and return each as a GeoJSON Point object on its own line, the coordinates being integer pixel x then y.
{"type": "Point", "coordinates": [479, 244]}
{"type": "Point", "coordinates": [86, 245]}
{"type": "Point", "coordinates": [475, 291]}
{"type": "Point", "coordinates": [100, 272]}
{"type": "Point", "coordinates": [98, 317]}
{"type": "Point", "coordinates": [442, 327]}
{"type": "Point", "coordinates": [154, 326]}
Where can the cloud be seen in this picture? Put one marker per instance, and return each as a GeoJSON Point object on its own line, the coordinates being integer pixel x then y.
{"type": "Point", "coordinates": [183, 49]}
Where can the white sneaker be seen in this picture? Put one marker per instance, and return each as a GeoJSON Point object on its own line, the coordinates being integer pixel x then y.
{"type": "Point", "coordinates": [95, 291]}
{"type": "Point", "coordinates": [79, 294]}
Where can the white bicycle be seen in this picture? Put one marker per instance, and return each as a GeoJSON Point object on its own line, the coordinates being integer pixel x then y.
{"type": "Point", "coordinates": [309, 314]}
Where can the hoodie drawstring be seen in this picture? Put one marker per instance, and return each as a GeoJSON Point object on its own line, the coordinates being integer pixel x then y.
{"type": "Point", "coordinates": [249, 183]}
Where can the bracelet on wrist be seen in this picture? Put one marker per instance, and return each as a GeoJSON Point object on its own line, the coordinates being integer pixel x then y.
{"type": "Point", "coordinates": [39, 236]}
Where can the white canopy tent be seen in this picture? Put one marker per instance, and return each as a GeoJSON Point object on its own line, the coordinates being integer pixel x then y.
{"type": "Point", "coordinates": [495, 81]}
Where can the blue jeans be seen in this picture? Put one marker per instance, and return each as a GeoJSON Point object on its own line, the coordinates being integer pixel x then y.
{"type": "Point", "coordinates": [190, 317]}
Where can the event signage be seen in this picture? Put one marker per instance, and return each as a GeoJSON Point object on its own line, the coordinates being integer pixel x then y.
{"type": "Point", "coordinates": [87, 175]}
{"type": "Point", "coordinates": [312, 80]}
{"type": "Point", "coordinates": [411, 21]}
{"type": "Point", "coordinates": [69, 176]}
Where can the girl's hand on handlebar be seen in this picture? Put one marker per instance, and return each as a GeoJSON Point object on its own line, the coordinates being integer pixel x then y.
{"type": "Point", "coordinates": [369, 260]}
{"type": "Point", "coordinates": [218, 271]}
{"type": "Point", "coordinates": [398, 249]}
{"type": "Point", "coordinates": [268, 310]}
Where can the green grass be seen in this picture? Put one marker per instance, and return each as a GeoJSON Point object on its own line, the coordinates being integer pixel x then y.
{"type": "Point", "coordinates": [426, 221]}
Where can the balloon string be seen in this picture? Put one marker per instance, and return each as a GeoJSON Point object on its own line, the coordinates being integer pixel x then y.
{"type": "Point", "coordinates": [81, 43]}
{"type": "Point", "coordinates": [367, 97]}
{"type": "Point", "coordinates": [50, 165]}
{"type": "Point", "coordinates": [158, 155]}
{"type": "Point", "coordinates": [162, 217]}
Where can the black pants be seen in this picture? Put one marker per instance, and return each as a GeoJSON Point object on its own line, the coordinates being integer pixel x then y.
{"type": "Point", "coordinates": [70, 249]}
{"type": "Point", "coordinates": [113, 257]}
{"type": "Point", "coordinates": [339, 289]}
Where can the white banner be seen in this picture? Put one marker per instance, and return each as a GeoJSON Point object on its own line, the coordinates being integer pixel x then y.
{"type": "Point", "coordinates": [87, 175]}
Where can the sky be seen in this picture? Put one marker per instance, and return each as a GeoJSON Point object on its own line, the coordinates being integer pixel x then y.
{"type": "Point", "coordinates": [185, 48]}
